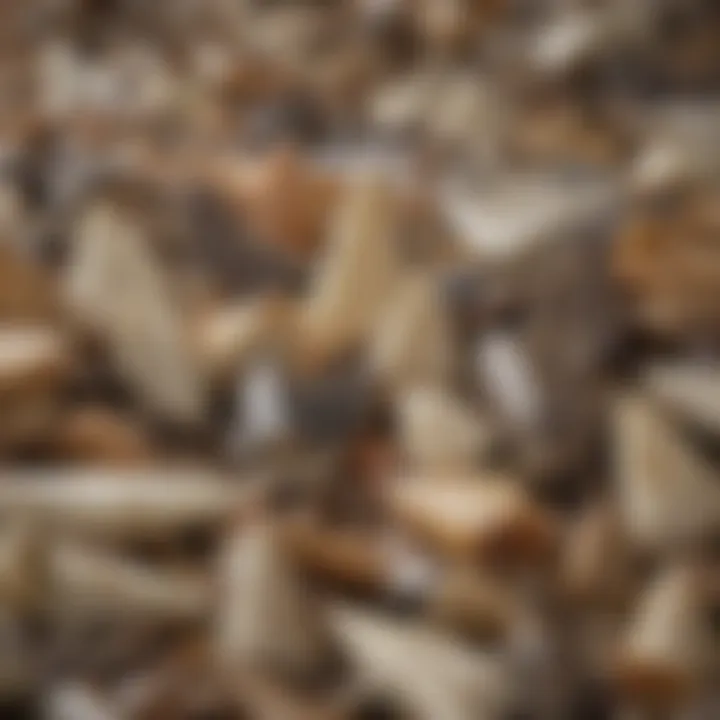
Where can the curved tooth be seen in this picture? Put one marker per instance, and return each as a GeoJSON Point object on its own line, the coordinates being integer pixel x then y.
{"type": "Point", "coordinates": [86, 580]}
{"type": "Point", "coordinates": [267, 616]}
{"type": "Point", "coordinates": [692, 391]}
{"type": "Point", "coordinates": [413, 342]}
{"type": "Point", "coordinates": [119, 503]}
{"type": "Point", "coordinates": [360, 262]}
{"type": "Point", "coordinates": [116, 288]}
{"type": "Point", "coordinates": [440, 434]}
{"type": "Point", "coordinates": [668, 494]}
{"type": "Point", "coordinates": [667, 649]}
{"type": "Point", "coordinates": [428, 674]}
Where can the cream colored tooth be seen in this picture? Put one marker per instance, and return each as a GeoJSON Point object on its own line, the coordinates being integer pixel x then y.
{"type": "Point", "coordinates": [357, 273]}
{"type": "Point", "coordinates": [427, 673]}
{"type": "Point", "coordinates": [119, 503]}
{"type": "Point", "coordinates": [439, 434]}
{"type": "Point", "coordinates": [474, 516]}
{"type": "Point", "coordinates": [667, 493]}
{"type": "Point", "coordinates": [32, 357]}
{"type": "Point", "coordinates": [667, 649]}
{"type": "Point", "coordinates": [72, 700]}
{"type": "Point", "coordinates": [116, 287]}
{"type": "Point", "coordinates": [413, 342]}
{"type": "Point", "coordinates": [692, 391]}
{"type": "Point", "coordinates": [267, 616]}
{"type": "Point", "coordinates": [86, 580]}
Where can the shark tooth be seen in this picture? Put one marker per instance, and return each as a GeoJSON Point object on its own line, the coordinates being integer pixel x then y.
{"type": "Point", "coordinates": [427, 673]}
{"type": "Point", "coordinates": [438, 433]}
{"type": "Point", "coordinates": [413, 342]}
{"type": "Point", "coordinates": [668, 494]}
{"type": "Point", "coordinates": [117, 289]}
{"type": "Point", "coordinates": [73, 700]}
{"type": "Point", "coordinates": [267, 617]}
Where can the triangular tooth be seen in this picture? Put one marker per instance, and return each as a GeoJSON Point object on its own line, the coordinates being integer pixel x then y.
{"type": "Point", "coordinates": [19, 566]}
{"type": "Point", "coordinates": [360, 262]}
{"type": "Point", "coordinates": [117, 289]}
{"type": "Point", "coordinates": [490, 518]}
{"type": "Point", "coordinates": [667, 649]}
{"type": "Point", "coordinates": [668, 494]}
{"type": "Point", "coordinates": [413, 342]}
{"type": "Point", "coordinates": [439, 434]}
{"type": "Point", "coordinates": [692, 391]}
{"type": "Point", "coordinates": [426, 673]}
{"type": "Point", "coordinates": [267, 617]}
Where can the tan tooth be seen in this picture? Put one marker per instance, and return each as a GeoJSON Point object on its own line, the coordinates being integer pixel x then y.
{"type": "Point", "coordinates": [360, 262]}
{"type": "Point", "coordinates": [27, 294]}
{"type": "Point", "coordinates": [667, 648]}
{"type": "Point", "coordinates": [227, 336]}
{"type": "Point", "coordinates": [86, 580]}
{"type": "Point", "coordinates": [120, 503]}
{"type": "Point", "coordinates": [668, 494]}
{"type": "Point", "coordinates": [267, 616]}
{"type": "Point", "coordinates": [426, 673]}
{"type": "Point", "coordinates": [413, 343]}
{"type": "Point", "coordinates": [117, 289]}
{"type": "Point", "coordinates": [19, 566]}
{"type": "Point", "coordinates": [439, 434]}
{"type": "Point", "coordinates": [490, 518]}
{"type": "Point", "coordinates": [691, 391]}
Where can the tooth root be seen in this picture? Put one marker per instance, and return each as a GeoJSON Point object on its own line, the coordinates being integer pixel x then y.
{"type": "Point", "coordinates": [117, 290]}
{"type": "Point", "coordinates": [439, 434]}
{"type": "Point", "coordinates": [425, 672]}
{"type": "Point", "coordinates": [413, 343]}
{"type": "Point", "coordinates": [667, 648]}
{"type": "Point", "coordinates": [360, 262]}
{"type": "Point", "coordinates": [668, 494]}
{"type": "Point", "coordinates": [489, 518]}
{"type": "Point", "coordinates": [267, 618]}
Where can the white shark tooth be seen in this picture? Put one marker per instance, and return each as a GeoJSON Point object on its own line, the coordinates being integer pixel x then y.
{"type": "Point", "coordinates": [428, 674]}
{"type": "Point", "coordinates": [667, 493]}
{"type": "Point", "coordinates": [119, 503]}
{"type": "Point", "coordinates": [667, 648]}
{"type": "Point", "coordinates": [690, 390]}
{"type": "Point", "coordinates": [360, 262]}
{"type": "Point", "coordinates": [438, 433]}
{"type": "Point", "coordinates": [413, 342]}
{"type": "Point", "coordinates": [267, 616]}
{"type": "Point", "coordinates": [117, 289]}
{"type": "Point", "coordinates": [87, 580]}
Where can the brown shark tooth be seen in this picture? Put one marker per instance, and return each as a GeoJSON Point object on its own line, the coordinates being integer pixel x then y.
{"type": "Point", "coordinates": [691, 390]}
{"type": "Point", "coordinates": [491, 518]}
{"type": "Point", "coordinates": [439, 434]}
{"type": "Point", "coordinates": [120, 503]}
{"type": "Point", "coordinates": [667, 650]}
{"type": "Point", "coordinates": [426, 673]}
{"type": "Point", "coordinates": [413, 343]}
{"type": "Point", "coordinates": [117, 289]}
{"type": "Point", "coordinates": [96, 582]}
{"type": "Point", "coordinates": [267, 616]}
{"type": "Point", "coordinates": [360, 261]}
{"type": "Point", "coordinates": [20, 569]}
{"type": "Point", "coordinates": [668, 494]}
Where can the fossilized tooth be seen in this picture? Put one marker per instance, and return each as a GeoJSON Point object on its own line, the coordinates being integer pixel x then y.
{"type": "Point", "coordinates": [492, 518]}
{"type": "Point", "coordinates": [95, 434]}
{"type": "Point", "coordinates": [427, 673]}
{"type": "Point", "coordinates": [666, 651]}
{"type": "Point", "coordinates": [27, 293]}
{"type": "Point", "coordinates": [692, 390]}
{"type": "Point", "coordinates": [668, 493]}
{"type": "Point", "coordinates": [116, 287]}
{"type": "Point", "coordinates": [19, 566]}
{"type": "Point", "coordinates": [597, 569]}
{"type": "Point", "coordinates": [267, 616]}
{"type": "Point", "coordinates": [89, 581]}
{"type": "Point", "coordinates": [73, 700]}
{"type": "Point", "coordinates": [413, 342]}
{"type": "Point", "coordinates": [360, 262]}
{"type": "Point", "coordinates": [440, 434]}
{"type": "Point", "coordinates": [116, 503]}
{"type": "Point", "coordinates": [401, 105]}
{"type": "Point", "coordinates": [228, 335]}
